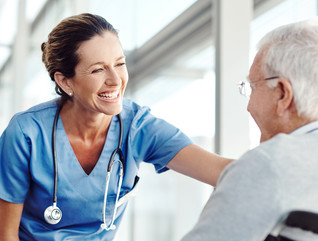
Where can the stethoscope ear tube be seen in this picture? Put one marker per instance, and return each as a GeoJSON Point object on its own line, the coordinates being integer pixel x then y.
{"type": "Point", "coordinates": [112, 226]}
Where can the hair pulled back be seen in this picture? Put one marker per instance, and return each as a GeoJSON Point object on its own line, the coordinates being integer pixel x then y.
{"type": "Point", "coordinates": [59, 53]}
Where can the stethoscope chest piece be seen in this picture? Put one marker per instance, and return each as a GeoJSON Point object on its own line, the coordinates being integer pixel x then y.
{"type": "Point", "coordinates": [53, 214]}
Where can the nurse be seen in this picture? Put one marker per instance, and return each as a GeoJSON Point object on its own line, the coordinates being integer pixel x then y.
{"type": "Point", "coordinates": [84, 58]}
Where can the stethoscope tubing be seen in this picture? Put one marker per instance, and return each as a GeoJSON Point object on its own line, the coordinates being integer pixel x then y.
{"type": "Point", "coordinates": [56, 117]}
{"type": "Point", "coordinates": [118, 149]}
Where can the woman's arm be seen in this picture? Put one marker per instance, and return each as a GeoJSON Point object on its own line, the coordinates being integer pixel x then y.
{"type": "Point", "coordinates": [10, 215]}
{"type": "Point", "coordinates": [198, 163]}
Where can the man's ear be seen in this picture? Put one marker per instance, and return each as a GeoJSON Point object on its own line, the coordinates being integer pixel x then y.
{"type": "Point", "coordinates": [63, 82]}
{"type": "Point", "coordinates": [286, 96]}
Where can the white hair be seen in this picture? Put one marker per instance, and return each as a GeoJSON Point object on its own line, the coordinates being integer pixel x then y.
{"type": "Point", "coordinates": [291, 51]}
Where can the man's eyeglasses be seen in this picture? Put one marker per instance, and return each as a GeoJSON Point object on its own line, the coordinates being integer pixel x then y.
{"type": "Point", "coordinates": [245, 86]}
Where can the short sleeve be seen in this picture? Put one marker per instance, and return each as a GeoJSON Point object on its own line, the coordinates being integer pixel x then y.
{"type": "Point", "coordinates": [14, 163]}
{"type": "Point", "coordinates": [154, 140]}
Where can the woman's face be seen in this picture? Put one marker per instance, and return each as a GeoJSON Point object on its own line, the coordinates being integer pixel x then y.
{"type": "Point", "coordinates": [100, 76]}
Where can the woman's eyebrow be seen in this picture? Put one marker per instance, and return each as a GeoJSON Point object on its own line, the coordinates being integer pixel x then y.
{"type": "Point", "coordinates": [101, 62]}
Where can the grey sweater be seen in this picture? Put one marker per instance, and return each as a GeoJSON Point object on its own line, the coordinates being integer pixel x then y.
{"type": "Point", "coordinates": [256, 191]}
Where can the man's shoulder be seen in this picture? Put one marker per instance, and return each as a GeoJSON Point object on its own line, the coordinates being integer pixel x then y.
{"type": "Point", "coordinates": [262, 157]}
{"type": "Point", "coordinates": [283, 151]}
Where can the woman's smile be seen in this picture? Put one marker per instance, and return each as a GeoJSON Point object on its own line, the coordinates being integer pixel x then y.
{"type": "Point", "coordinates": [110, 96]}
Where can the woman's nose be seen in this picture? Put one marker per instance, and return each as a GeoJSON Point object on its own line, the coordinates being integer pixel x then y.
{"type": "Point", "coordinates": [112, 78]}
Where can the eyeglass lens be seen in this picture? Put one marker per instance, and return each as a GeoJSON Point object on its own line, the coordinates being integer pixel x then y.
{"type": "Point", "coordinates": [245, 88]}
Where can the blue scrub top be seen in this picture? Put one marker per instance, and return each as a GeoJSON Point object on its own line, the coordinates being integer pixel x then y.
{"type": "Point", "coordinates": [26, 170]}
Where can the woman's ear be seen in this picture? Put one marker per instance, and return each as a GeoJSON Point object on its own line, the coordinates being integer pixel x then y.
{"type": "Point", "coordinates": [63, 82]}
{"type": "Point", "coordinates": [286, 99]}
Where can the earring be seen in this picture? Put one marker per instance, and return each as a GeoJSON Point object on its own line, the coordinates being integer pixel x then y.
{"type": "Point", "coordinates": [70, 94]}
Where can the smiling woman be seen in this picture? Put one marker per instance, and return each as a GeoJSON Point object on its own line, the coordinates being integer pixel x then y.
{"type": "Point", "coordinates": [62, 148]}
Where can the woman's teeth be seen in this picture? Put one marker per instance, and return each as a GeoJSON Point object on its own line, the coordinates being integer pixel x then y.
{"type": "Point", "coordinates": [111, 95]}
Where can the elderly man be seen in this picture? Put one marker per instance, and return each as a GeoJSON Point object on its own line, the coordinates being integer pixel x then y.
{"type": "Point", "coordinates": [281, 174]}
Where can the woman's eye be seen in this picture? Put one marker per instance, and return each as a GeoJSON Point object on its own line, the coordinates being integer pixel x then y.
{"type": "Point", "coordinates": [97, 70]}
{"type": "Point", "coordinates": [121, 64]}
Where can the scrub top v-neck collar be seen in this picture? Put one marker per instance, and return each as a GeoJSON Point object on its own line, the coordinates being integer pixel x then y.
{"type": "Point", "coordinates": [67, 161]}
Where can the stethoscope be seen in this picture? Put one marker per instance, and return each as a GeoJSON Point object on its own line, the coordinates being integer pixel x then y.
{"type": "Point", "coordinates": [53, 214]}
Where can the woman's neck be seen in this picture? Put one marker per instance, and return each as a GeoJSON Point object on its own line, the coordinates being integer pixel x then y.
{"type": "Point", "coordinates": [84, 124]}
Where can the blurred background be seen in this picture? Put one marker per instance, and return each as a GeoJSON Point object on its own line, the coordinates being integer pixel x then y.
{"type": "Point", "coordinates": [184, 57]}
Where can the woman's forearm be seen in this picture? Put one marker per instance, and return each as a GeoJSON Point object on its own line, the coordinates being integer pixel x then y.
{"type": "Point", "coordinates": [10, 216]}
{"type": "Point", "coordinates": [198, 163]}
